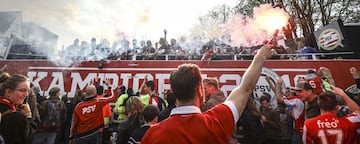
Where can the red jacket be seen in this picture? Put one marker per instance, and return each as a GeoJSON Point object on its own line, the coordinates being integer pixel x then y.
{"type": "Point", "coordinates": [106, 109]}
{"type": "Point", "coordinates": [88, 115]}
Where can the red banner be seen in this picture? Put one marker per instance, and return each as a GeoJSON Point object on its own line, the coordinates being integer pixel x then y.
{"type": "Point", "coordinates": [71, 76]}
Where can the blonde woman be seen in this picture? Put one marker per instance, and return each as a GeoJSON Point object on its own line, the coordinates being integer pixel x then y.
{"type": "Point", "coordinates": [134, 108]}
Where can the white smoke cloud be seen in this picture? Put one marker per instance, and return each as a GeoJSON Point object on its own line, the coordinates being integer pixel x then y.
{"type": "Point", "coordinates": [84, 19]}
{"type": "Point", "coordinates": [141, 19]}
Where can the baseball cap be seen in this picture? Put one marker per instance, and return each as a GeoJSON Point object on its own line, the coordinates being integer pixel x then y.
{"type": "Point", "coordinates": [311, 72]}
{"type": "Point", "coordinates": [302, 86]}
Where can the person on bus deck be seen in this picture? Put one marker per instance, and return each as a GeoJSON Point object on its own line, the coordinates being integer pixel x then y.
{"type": "Point", "coordinates": [17, 125]}
{"type": "Point", "coordinates": [328, 127]}
{"type": "Point", "coordinates": [187, 124]}
{"type": "Point", "coordinates": [304, 48]}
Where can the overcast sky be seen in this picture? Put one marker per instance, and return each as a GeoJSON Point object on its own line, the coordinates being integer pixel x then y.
{"type": "Point", "coordinates": [83, 19]}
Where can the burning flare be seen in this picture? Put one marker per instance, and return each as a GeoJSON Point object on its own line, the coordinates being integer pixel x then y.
{"type": "Point", "coordinates": [271, 18]}
{"type": "Point", "coordinates": [253, 31]}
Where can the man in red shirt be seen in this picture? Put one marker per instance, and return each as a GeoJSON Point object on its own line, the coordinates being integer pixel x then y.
{"type": "Point", "coordinates": [88, 117]}
{"type": "Point", "coordinates": [187, 124]}
{"type": "Point", "coordinates": [329, 128]}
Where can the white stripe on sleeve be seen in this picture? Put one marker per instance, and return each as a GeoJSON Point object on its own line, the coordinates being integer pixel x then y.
{"type": "Point", "coordinates": [233, 109]}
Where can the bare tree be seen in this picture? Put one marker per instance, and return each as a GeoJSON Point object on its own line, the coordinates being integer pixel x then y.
{"type": "Point", "coordinates": [221, 13]}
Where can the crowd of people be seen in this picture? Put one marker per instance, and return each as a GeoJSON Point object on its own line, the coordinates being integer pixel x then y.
{"type": "Point", "coordinates": [180, 49]}
{"type": "Point", "coordinates": [195, 110]}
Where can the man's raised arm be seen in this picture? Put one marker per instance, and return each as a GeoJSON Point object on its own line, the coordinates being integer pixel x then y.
{"type": "Point", "coordinates": [352, 105]}
{"type": "Point", "coordinates": [240, 94]}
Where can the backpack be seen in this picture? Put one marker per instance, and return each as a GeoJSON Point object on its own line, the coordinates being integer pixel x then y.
{"type": "Point", "coordinates": [52, 118]}
{"type": "Point", "coordinates": [160, 102]}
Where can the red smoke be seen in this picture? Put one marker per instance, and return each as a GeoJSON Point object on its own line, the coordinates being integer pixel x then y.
{"type": "Point", "coordinates": [252, 31]}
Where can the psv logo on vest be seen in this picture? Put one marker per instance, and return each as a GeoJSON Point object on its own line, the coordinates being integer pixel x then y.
{"type": "Point", "coordinates": [88, 109]}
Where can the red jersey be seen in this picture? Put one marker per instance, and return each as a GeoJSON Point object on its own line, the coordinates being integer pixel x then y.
{"type": "Point", "coordinates": [331, 129]}
{"type": "Point", "coordinates": [315, 83]}
{"type": "Point", "coordinates": [188, 125]}
{"type": "Point", "coordinates": [88, 115]}
{"type": "Point", "coordinates": [106, 109]}
{"type": "Point", "coordinates": [298, 107]}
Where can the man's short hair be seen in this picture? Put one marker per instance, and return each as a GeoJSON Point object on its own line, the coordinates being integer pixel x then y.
{"type": "Point", "coordinates": [150, 84]}
{"type": "Point", "coordinates": [185, 81]}
{"type": "Point", "coordinates": [212, 81]}
{"type": "Point", "coordinates": [327, 101]}
{"type": "Point", "coordinates": [150, 112]}
{"type": "Point", "coordinates": [122, 89]}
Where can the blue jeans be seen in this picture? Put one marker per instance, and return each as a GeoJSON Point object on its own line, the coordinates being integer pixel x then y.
{"type": "Point", "coordinates": [91, 139]}
{"type": "Point", "coordinates": [44, 138]}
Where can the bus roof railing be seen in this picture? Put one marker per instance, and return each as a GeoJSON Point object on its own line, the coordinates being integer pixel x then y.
{"type": "Point", "coordinates": [175, 56]}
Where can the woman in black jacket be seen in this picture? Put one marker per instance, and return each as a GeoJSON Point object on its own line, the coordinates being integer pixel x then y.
{"type": "Point", "coordinates": [250, 129]}
{"type": "Point", "coordinates": [135, 119]}
{"type": "Point", "coordinates": [17, 126]}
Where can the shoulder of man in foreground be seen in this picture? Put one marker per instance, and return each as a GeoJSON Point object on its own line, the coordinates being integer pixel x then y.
{"type": "Point", "coordinates": [218, 120]}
